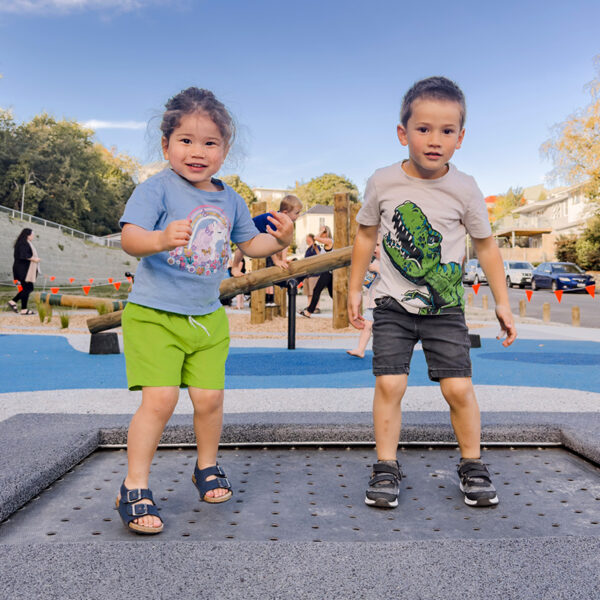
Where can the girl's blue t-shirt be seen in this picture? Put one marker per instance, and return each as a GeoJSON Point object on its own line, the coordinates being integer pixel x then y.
{"type": "Point", "coordinates": [186, 280]}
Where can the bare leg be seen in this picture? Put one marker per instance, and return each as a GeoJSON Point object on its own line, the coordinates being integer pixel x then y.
{"type": "Point", "coordinates": [143, 436]}
{"type": "Point", "coordinates": [464, 414]}
{"type": "Point", "coordinates": [387, 417]}
{"type": "Point", "coordinates": [363, 340]}
{"type": "Point", "coordinates": [208, 421]}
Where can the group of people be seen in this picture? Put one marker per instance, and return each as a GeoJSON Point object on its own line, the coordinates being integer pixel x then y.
{"type": "Point", "coordinates": [408, 248]}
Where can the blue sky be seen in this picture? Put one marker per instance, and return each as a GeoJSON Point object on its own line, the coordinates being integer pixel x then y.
{"type": "Point", "coordinates": [315, 85]}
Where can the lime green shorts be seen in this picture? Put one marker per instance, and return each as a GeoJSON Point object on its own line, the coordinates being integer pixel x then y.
{"type": "Point", "coordinates": [167, 349]}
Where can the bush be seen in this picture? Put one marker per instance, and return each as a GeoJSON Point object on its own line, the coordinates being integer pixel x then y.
{"type": "Point", "coordinates": [64, 320]}
{"type": "Point", "coordinates": [588, 255]}
{"type": "Point", "coordinates": [566, 248]}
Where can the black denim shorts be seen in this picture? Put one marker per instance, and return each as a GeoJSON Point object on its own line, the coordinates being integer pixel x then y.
{"type": "Point", "coordinates": [445, 341]}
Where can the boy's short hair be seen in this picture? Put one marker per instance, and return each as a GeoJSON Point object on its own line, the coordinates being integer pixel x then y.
{"type": "Point", "coordinates": [289, 202]}
{"type": "Point", "coordinates": [433, 88]}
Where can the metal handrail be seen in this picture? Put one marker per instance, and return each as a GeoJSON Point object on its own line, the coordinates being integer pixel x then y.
{"type": "Point", "coordinates": [27, 218]}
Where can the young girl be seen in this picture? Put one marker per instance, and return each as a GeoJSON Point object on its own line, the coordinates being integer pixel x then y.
{"type": "Point", "coordinates": [175, 331]}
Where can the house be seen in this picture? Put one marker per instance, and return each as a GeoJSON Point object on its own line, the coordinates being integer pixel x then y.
{"type": "Point", "coordinates": [272, 196]}
{"type": "Point", "coordinates": [311, 221]}
{"type": "Point", "coordinates": [530, 231]}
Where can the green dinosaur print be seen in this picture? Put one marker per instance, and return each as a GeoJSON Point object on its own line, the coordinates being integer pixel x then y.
{"type": "Point", "coordinates": [415, 250]}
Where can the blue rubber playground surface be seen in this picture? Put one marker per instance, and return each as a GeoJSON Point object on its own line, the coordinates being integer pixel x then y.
{"type": "Point", "coordinates": [33, 363]}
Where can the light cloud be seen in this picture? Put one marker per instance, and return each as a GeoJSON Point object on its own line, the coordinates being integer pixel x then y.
{"type": "Point", "coordinates": [69, 6]}
{"type": "Point", "coordinates": [96, 124]}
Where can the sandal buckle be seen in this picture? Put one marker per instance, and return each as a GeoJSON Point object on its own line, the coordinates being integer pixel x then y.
{"type": "Point", "coordinates": [139, 510]}
{"type": "Point", "coordinates": [134, 495]}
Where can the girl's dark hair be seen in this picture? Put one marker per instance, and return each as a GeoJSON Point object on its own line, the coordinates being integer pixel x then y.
{"type": "Point", "coordinates": [194, 100]}
{"type": "Point", "coordinates": [22, 237]}
{"type": "Point", "coordinates": [433, 88]}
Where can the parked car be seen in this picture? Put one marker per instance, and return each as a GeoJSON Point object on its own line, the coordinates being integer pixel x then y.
{"type": "Point", "coordinates": [517, 273]}
{"type": "Point", "coordinates": [473, 273]}
{"type": "Point", "coordinates": [560, 276]}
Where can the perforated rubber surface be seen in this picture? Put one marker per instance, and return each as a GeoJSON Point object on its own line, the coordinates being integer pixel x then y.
{"type": "Point", "coordinates": [312, 494]}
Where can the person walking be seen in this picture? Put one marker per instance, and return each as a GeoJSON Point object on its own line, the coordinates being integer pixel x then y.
{"type": "Point", "coordinates": [25, 270]}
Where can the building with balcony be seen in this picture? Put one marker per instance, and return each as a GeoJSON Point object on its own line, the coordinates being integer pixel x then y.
{"type": "Point", "coordinates": [530, 231]}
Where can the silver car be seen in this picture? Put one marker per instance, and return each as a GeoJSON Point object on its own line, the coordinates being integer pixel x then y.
{"type": "Point", "coordinates": [473, 273]}
{"type": "Point", "coordinates": [518, 273]}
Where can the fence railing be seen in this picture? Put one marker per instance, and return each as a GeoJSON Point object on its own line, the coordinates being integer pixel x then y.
{"type": "Point", "coordinates": [27, 218]}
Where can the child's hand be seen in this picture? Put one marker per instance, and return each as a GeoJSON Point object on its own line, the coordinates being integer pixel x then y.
{"type": "Point", "coordinates": [283, 229]}
{"type": "Point", "coordinates": [177, 233]}
{"type": "Point", "coordinates": [354, 316]}
{"type": "Point", "coordinates": [236, 272]}
{"type": "Point", "coordinates": [507, 325]}
{"type": "Point", "coordinates": [280, 262]}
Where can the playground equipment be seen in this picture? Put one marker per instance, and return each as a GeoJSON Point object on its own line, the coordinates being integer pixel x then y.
{"type": "Point", "coordinates": [256, 280]}
{"type": "Point", "coordinates": [78, 301]}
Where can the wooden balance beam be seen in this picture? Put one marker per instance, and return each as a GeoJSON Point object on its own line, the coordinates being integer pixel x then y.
{"type": "Point", "coordinates": [231, 287]}
{"type": "Point", "coordinates": [78, 301]}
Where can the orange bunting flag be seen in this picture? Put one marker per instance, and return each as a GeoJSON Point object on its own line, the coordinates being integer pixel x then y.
{"type": "Point", "coordinates": [528, 293]}
{"type": "Point", "coordinates": [19, 288]}
{"type": "Point", "coordinates": [130, 279]}
{"type": "Point", "coordinates": [110, 280]}
{"type": "Point", "coordinates": [52, 277]}
{"type": "Point", "coordinates": [16, 281]}
{"type": "Point", "coordinates": [558, 294]}
{"type": "Point", "coordinates": [476, 287]}
{"type": "Point", "coordinates": [86, 289]}
{"type": "Point", "coordinates": [117, 284]}
{"type": "Point", "coordinates": [591, 290]}
{"type": "Point", "coordinates": [71, 279]}
{"type": "Point", "coordinates": [91, 280]}
{"type": "Point", "coordinates": [54, 290]}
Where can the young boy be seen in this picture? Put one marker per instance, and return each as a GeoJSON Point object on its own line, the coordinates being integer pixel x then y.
{"type": "Point", "coordinates": [424, 206]}
{"type": "Point", "coordinates": [292, 207]}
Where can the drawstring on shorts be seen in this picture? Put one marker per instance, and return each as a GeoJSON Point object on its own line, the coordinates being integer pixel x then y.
{"type": "Point", "coordinates": [195, 324]}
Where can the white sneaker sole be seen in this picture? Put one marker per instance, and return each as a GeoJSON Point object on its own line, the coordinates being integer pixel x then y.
{"type": "Point", "coordinates": [381, 503]}
{"type": "Point", "coordinates": [481, 502]}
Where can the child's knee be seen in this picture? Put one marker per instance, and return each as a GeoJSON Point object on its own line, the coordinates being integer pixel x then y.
{"type": "Point", "coordinates": [206, 400]}
{"type": "Point", "coordinates": [458, 391]}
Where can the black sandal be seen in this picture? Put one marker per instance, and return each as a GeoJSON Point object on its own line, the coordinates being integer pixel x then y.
{"type": "Point", "coordinates": [304, 313]}
{"type": "Point", "coordinates": [384, 485]}
{"type": "Point", "coordinates": [13, 306]}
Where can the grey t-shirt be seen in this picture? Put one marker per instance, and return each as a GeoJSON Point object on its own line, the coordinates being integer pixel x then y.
{"type": "Point", "coordinates": [423, 224]}
{"type": "Point", "coordinates": [186, 280]}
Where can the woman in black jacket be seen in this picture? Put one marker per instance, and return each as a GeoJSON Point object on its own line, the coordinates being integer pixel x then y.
{"type": "Point", "coordinates": [25, 269]}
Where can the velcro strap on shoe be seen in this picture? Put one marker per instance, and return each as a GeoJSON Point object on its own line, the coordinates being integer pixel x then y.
{"type": "Point", "coordinates": [474, 471]}
{"type": "Point", "coordinates": [384, 477]}
{"type": "Point", "coordinates": [380, 467]}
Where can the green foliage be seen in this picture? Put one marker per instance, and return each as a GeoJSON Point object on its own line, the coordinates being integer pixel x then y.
{"type": "Point", "coordinates": [588, 245]}
{"type": "Point", "coordinates": [243, 189]}
{"type": "Point", "coordinates": [102, 309]}
{"type": "Point", "coordinates": [67, 177]}
{"type": "Point", "coordinates": [565, 248]}
{"type": "Point", "coordinates": [41, 310]}
{"type": "Point", "coordinates": [64, 320]}
{"type": "Point", "coordinates": [321, 190]}
{"type": "Point", "coordinates": [506, 203]}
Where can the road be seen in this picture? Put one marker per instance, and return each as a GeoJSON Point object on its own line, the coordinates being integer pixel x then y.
{"type": "Point", "coordinates": [560, 312]}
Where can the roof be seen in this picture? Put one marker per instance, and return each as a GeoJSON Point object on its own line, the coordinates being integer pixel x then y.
{"type": "Point", "coordinates": [319, 209]}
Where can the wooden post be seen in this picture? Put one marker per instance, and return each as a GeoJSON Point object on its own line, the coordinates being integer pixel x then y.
{"type": "Point", "coordinates": [546, 312]}
{"type": "Point", "coordinates": [576, 316]}
{"type": "Point", "coordinates": [354, 208]}
{"type": "Point", "coordinates": [340, 276]}
{"type": "Point", "coordinates": [469, 299]}
{"type": "Point", "coordinates": [522, 308]}
{"type": "Point", "coordinates": [281, 301]}
{"type": "Point", "coordinates": [484, 302]}
{"type": "Point", "coordinates": [257, 297]}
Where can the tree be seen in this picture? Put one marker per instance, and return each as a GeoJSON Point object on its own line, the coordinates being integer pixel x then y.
{"type": "Point", "coordinates": [72, 180]}
{"type": "Point", "coordinates": [588, 245]}
{"type": "Point", "coordinates": [243, 189]}
{"type": "Point", "coordinates": [574, 146]}
{"type": "Point", "coordinates": [321, 190]}
{"type": "Point", "coordinates": [506, 203]}
{"type": "Point", "coordinates": [565, 247]}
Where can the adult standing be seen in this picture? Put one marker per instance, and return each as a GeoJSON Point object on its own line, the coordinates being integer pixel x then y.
{"type": "Point", "coordinates": [325, 280]}
{"type": "Point", "coordinates": [25, 269]}
{"type": "Point", "coordinates": [312, 249]}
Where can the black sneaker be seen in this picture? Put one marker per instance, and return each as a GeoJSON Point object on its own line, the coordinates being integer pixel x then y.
{"type": "Point", "coordinates": [476, 483]}
{"type": "Point", "coordinates": [384, 485]}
